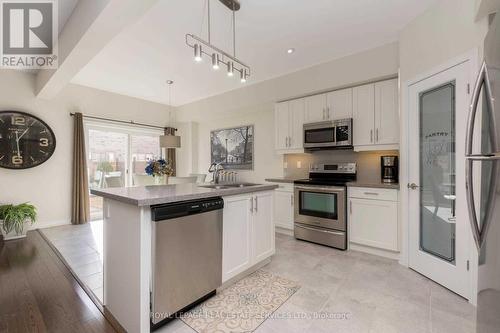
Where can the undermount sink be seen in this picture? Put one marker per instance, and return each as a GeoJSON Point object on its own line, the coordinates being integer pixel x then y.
{"type": "Point", "coordinates": [226, 186]}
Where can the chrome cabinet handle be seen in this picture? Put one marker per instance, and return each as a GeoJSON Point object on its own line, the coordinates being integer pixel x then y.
{"type": "Point", "coordinates": [256, 204]}
{"type": "Point", "coordinates": [324, 112]}
{"type": "Point", "coordinates": [327, 112]}
{"type": "Point", "coordinates": [371, 136]}
{"type": "Point", "coordinates": [291, 200]}
{"type": "Point", "coordinates": [350, 207]}
{"type": "Point", "coordinates": [452, 219]}
{"type": "Point", "coordinates": [376, 134]}
{"type": "Point", "coordinates": [251, 205]}
{"type": "Point", "coordinates": [370, 193]}
{"type": "Point", "coordinates": [412, 186]}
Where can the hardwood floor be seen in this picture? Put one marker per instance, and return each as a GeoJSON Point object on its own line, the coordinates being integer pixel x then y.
{"type": "Point", "coordinates": [39, 294]}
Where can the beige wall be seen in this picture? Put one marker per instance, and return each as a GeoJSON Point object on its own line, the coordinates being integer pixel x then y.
{"type": "Point", "coordinates": [255, 104]}
{"type": "Point", "coordinates": [48, 186]}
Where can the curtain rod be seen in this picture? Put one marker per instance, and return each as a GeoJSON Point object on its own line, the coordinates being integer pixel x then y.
{"type": "Point", "coordinates": [131, 122]}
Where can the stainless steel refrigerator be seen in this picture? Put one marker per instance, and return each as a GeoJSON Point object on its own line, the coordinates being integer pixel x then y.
{"type": "Point", "coordinates": [483, 180]}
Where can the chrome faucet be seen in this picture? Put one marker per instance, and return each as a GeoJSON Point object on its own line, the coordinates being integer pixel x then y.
{"type": "Point", "coordinates": [216, 169]}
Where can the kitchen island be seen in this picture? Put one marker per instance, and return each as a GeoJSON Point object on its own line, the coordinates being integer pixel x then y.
{"type": "Point", "coordinates": [129, 240]}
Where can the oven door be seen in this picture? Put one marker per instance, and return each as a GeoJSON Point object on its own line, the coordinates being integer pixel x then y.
{"type": "Point", "coordinates": [319, 135]}
{"type": "Point", "coordinates": [322, 206]}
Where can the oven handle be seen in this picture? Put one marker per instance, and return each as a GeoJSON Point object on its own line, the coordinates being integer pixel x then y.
{"type": "Point", "coordinates": [319, 188]}
{"type": "Point", "coordinates": [320, 230]}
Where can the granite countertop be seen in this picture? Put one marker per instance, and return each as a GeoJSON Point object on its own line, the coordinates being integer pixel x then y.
{"type": "Point", "coordinates": [160, 194]}
{"type": "Point", "coordinates": [281, 180]}
{"type": "Point", "coordinates": [358, 183]}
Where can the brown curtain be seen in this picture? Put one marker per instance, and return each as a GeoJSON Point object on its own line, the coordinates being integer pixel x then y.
{"type": "Point", "coordinates": [80, 210]}
{"type": "Point", "coordinates": [170, 152]}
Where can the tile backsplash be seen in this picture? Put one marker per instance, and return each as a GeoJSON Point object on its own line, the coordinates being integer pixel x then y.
{"type": "Point", "coordinates": [297, 165]}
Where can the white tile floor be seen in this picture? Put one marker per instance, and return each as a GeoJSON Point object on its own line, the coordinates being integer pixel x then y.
{"type": "Point", "coordinates": [363, 293]}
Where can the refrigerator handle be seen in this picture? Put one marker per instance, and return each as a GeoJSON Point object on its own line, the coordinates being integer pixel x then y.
{"type": "Point", "coordinates": [480, 233]}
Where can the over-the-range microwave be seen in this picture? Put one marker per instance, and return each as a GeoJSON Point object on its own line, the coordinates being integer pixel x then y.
{"type": "Point", "coordinates": [332, 134]}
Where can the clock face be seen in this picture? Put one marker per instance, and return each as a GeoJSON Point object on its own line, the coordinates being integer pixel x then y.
{"type": "Point", "coordinates": [25, 140]}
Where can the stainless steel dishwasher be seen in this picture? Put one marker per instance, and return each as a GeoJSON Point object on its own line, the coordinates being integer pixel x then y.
{"type": "Point", "coordinates": [187, 256]}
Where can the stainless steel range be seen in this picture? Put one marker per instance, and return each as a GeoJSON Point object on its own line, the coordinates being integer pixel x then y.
{"type": "Point", "coordinates": [321, 204]}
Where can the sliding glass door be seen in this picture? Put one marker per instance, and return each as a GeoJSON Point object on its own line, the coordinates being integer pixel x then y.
{"type": "Point", "coordinates": [117, 157]}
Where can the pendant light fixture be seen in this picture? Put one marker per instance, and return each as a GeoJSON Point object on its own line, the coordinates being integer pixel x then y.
{"type": "Point", "coordinates": [201, 47]}
{"type": "Point", "coordinates": [170, 140]}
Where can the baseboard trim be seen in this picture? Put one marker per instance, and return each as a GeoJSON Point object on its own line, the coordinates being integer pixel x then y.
{"type": "Point", "coordinates": [371, 250]}
{"type": "Point", "coordinates": [38, 226]}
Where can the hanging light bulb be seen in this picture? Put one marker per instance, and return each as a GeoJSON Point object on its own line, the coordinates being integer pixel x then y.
{"type": "Point", "coordinates": [243, 75]}
{"type": "Point", "coordinates": [197, 52]}
{"type": "Point", "coordinates": [230, 68]}
{"type": "Point", "coordinates": [215, 61]}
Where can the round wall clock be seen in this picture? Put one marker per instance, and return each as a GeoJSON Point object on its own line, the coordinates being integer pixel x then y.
{"type": "Point", "coordinates": [25, 140]}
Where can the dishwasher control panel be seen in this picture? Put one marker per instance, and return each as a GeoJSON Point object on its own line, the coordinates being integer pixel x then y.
{"type": "Point", "coordinates": [185, 208]}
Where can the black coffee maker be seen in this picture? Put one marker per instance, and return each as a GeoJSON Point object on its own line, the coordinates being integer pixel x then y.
{"type": "Point", "coordinates": [390, 169]}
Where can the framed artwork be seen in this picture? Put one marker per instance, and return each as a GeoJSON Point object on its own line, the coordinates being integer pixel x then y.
{"type": "Point", "coordinates": [233, 147]}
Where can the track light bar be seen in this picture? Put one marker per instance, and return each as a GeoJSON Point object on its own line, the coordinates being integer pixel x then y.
{"type": "Point", "coordinates": [218, 57]}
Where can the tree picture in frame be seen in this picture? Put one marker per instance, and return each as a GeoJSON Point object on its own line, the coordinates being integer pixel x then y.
{"type": "Point", "coordinates": [233, 147]}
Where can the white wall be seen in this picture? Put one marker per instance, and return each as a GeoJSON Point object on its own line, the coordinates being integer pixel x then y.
{"type": "Point", "coordinates": [254, 104]}
{"type": "Point", "coordinates": [48, 186]}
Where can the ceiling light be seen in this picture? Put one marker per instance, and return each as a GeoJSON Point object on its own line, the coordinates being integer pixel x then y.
{"type": "Point", "coordinates": [243, 76]}
{"type": "Point", "coordinates": [290, 51]}
{"type": "Point", "coordinates": [217, 55]}
{"type": "Point", "coordinates": [215, 61]}
{"type": "Point", "coordinates": [197, 52]}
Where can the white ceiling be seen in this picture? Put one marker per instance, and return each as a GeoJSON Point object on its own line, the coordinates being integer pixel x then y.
{"type": "Point", "coordinates": [139, 60]}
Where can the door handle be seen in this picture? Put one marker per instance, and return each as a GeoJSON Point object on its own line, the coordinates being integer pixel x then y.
{"type": "Point", "coordinates": [452, 219]}
{"type": "Point", "coordinates": [412, 186]}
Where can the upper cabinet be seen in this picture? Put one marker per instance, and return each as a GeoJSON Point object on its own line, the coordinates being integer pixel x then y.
{"type": "Point", "coordinates": [339, 104]}
{"type": "Point", "coordinates": [333, 105]}
{"type": "Point", "coordinates": [315, 108]}
{"type": "Point", "coordinates": [376, 116]}
{"type": "Point", "coordinates": [374, 108]}
{"type": "Point", "coordinates": [289, 123]}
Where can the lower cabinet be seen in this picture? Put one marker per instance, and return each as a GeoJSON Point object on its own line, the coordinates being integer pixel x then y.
{"type": "Point", "coordinates": [283, 203]}
{"type": "Point", "coordinates": [248, 232]}
{"type": "Point", "coordinates": [373, 218]}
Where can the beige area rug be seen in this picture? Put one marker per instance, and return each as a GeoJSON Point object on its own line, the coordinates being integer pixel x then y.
{"type": "Point", "coordinates": [243, 306]}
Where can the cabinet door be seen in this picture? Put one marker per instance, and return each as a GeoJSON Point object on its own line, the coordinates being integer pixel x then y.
{"type": "Point", "coordinates": [315, 108]}
{"type": "Point", "coordinates": [339, 104]}
{"type": "Point", "coordinates": [296, 124]}
{"type": "Point", "coordinates": [386, 112]}
{"type": "Point", "coordinates": [282, 124]}
{"type": "Point", "coordinates": [374, 223]}
{"type": "Point", "coordinates": [363, 114]}
{"type": "Point", "coordinates": [236, 236]}
{"type": "Point", "coordinates": [263, 227]}
{"type": "Point", "coordinates": [283, 209]}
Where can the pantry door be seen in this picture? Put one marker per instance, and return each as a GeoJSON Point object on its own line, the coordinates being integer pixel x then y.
{"type": "Point", "coordinates": [438, 218]}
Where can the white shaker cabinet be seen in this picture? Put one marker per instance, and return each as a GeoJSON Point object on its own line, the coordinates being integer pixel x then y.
{"type": "Point", "coordinates": [339, 104]}
{"type": "Point", "coordinates": [363, 114]}
{"type": "Point", "coordinates": [247, 232]}
{"type": "Point", "coordinates": [289, 122]}
{"type": "Point", "coordinates": [373, 218]}
{"type": "Point", "coordinates": [283, 206]}
{"type": "Point", "coordinates": [376, 116]}
{"type": "Point", "coordinates": [236, 231]}
{"type": "Point", "coordinates": [263, 226]}
{"type": "Point", "coordinates": [387, 113]}
{"type": "Point", "coordinates": [315, 108]}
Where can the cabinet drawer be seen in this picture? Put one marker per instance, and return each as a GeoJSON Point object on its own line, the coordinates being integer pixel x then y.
{"type": "Point", "coordinates": [373, 193]}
